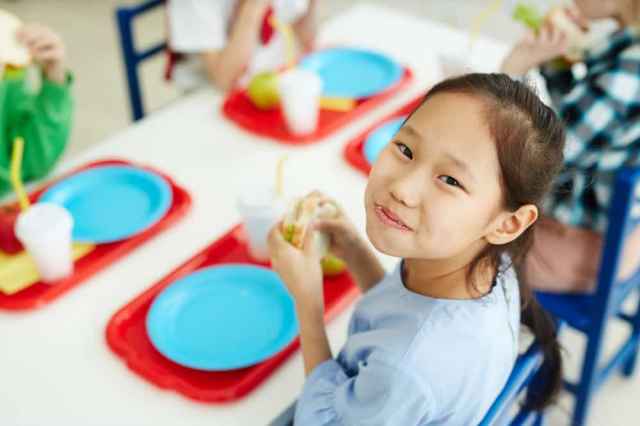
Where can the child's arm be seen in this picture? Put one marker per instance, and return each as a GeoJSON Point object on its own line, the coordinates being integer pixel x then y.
{"type": "Point", "coordinates": [534, 50]}
{"type": "Point", "coordinates": [301, 272]}
{"type": "Point", "coordinates": [42, 119]}
{"type": "Point", "coordinates": [306, 27]}
{"type": "Point", "coordinates": [226, 65]}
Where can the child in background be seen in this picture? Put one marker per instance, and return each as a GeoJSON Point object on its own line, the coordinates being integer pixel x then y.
{"type": "Point", "coordinates": [434, 342]}
{"type": "Point", "coordinates": [602, 113]}
{"type": "Point", "coordinates": [41, 118]}
{"type": "Point", "coordinates": [222, 40]}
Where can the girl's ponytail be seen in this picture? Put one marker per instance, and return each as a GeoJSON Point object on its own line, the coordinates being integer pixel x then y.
{"type": "Point", "coordinates": [544, 329]}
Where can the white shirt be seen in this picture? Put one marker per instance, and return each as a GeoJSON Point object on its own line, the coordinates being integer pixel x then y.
{"type": "Point", "coordinates": [196, 26]}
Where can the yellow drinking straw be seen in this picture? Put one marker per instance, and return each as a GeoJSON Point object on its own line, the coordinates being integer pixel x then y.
{"type": "Point", "coordinates": [280, 175]}
{"type": "Point", "coordinates": [16, 177]}
{"type": "Point", "coordinates": [478, 22]}
{"type": "Point", "coordinates": [333, 104]}
{"type": "Point", "coordinates": [287, 34]}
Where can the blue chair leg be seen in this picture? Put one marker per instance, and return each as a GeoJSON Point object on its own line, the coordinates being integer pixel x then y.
{"type": "Point", "coordinates": [587, 379]}
{"type": "Point", "coordinates": [528, 418]}
{"type": "Point", "coordinates": [629, 366]}
{"type": "Point", "coordinates": [539, 420]}
{"type": "Point", "coordinates": [124, 19]}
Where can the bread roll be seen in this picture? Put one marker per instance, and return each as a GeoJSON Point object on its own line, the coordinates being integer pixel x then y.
{"type": "Point", "coordinates": [301, 214]}
{"type": "Point", "coordinates": [12, 52]}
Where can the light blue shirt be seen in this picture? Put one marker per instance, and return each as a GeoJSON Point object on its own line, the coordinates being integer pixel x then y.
{"type": "Point", "coordinates": [415, 360]}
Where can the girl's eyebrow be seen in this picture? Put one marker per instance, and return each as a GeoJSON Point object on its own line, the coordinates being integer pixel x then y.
{"type": "Point", "coordinates": [408, 128]}
{"type": "Point", "coordinates": [461, 165]}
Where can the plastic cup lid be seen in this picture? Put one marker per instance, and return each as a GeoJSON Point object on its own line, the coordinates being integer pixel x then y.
{"type": "Point", "coordinates": [300, 79]}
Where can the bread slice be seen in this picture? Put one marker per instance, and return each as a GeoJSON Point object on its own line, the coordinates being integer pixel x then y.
{"type": "Point", "coordinates": [301, 214]}
{"type": "Point", "coordinates": [12, 52]}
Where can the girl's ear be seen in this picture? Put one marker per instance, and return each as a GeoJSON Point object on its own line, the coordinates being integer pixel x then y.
{"type": "Point", "coordinates": [510, 225]}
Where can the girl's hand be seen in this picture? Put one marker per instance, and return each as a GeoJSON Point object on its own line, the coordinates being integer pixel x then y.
{"type": "Point", "coordinates": [535, 49]}
{"type": "Point", "coordinates": [343, 236]}
{"type": "Point", "coordinates": [46, 48]}
{"type": "Point", "coordinates": [299, 268]}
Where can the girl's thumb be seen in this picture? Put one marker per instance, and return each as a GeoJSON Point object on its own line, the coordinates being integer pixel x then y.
{"type": "Point", "coordinates": [309, 246]}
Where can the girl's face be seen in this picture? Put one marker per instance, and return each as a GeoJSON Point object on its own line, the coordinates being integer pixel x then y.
{"type": "Point", "coordinates": [435, 190]}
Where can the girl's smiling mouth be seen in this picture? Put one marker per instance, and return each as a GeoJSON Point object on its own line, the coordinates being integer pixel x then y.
{"type": "Point", "coordinates": [389, 218]}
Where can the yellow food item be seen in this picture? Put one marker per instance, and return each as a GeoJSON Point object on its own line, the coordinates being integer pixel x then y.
{"type": "Point", "coordinates": [332, 265]}
{"type": "Point", "coordinates": [18, 271]}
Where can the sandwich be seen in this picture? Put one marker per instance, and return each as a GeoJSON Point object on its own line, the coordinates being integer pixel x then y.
{"type": "Point", "coordinates": [559, 18]}
{"type": "Point", "coordinates": [301, 214]}
{"type": "Point", "coordinates": [13, 54]}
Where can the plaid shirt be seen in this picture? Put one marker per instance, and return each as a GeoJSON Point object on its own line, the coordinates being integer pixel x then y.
{"type": "Point", "coordinates": [601, 112]}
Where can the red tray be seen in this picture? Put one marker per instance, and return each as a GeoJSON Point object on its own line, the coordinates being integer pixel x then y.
{"type": "Point", "coordinates": [353, 150]}
{"type": "Point", "coordinates": [239, 109]}
{"type": "Point", "coordinates": [127, 336]}
{"type": "Point", "coordinates": [40, 294]}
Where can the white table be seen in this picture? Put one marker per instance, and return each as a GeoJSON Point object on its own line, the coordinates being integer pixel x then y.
{"type": "Point", "coordinates": [55, 367]}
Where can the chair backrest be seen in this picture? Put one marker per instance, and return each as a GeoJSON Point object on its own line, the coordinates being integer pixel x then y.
{"type": "Point", "coordinates": [624, 216]}
{"type": "Point", "coordinates": [131, 55]}
{"type": "Point", "coordinates": [524, 370]}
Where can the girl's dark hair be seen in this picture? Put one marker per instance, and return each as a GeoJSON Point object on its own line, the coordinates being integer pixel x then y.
{"type": "Point", "coordinates": [529, 139]}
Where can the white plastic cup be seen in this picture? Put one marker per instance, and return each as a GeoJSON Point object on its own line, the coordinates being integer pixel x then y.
{"type": "Point", "coordinates": [260, 211]}
{"type": "Point", "coordinates": [45, 232]}
{"type": "Point", "coordinates": [300, 92]}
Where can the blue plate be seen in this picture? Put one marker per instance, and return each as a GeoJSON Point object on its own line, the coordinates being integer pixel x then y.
{"type": "Point", "coordinates": [379, 138]}
{"type": "Point", "coordinates": [353, 73]}
{"type": "Point", "coordinates": [223, 318]}
{"type": "Point", "coordinates": [111, 203]}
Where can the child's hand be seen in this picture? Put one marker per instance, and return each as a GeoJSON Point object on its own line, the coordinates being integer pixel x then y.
{"type": "Point", "coordinates": [46, 48]}
{"type": "Point", "coordinates": [535, 49]}
{"type": "Point", "coordinates": [342, 234]}
{"type": "Point", "coordinates": [577, 17]}
{"type": "Point", "coordinates": [299, 268]}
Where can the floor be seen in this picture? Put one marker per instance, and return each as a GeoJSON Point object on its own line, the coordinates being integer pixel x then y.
{"type": "Point", "coordinates": [89, 31]}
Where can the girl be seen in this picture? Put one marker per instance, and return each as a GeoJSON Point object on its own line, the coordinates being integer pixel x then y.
{"type": "Point", "coordinates": [454, 195]}
{"type": "Point", "coordinates": [601, 110]}
{"type": "Point", "coordinates": [42, 118]}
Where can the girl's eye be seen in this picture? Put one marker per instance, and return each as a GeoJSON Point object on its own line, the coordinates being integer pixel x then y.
{"type": "Point", "coordinates": [450, 181]}
{"type": "Point", "coordinates": [405, 150]}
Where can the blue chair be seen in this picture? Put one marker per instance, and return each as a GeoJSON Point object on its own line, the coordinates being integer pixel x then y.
{"type": "Point", "coordinates": [133, 57]}
{"type": "Point", "coordinates": [589, 313]}
{"type": "Point", "coordinates": [522, 376]}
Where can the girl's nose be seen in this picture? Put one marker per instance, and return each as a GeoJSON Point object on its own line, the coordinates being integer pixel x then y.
{"type": "Point", "coordinates": [407, 189]}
